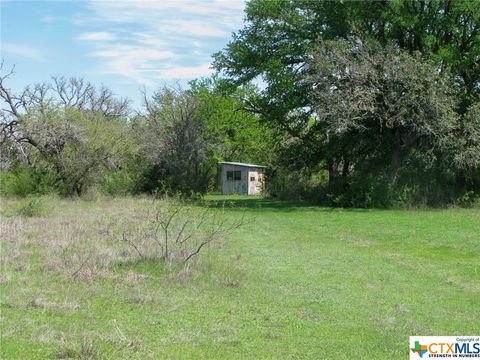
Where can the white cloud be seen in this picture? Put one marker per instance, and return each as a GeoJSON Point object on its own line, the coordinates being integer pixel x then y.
{"type": "Point", "coordinates": [23, 50]}
{"type": "Point", "coordinates": [150, 54]}
{"type": "Point", "coordinates": [199, 28]}
{"type": "Point", "coordinates": [158, 40]}
{"type": "Point", "coordinates": [96, 36]}
{"type": "Point", "coordinates": [130, 69]}
{"type": "Point", "coordinates": [134, 62]}
{"type": "Point", "coordinates": [122, 10]}
{"type": "Point", "coordinates": [237, 5]}
{"type": "Point", "coordinates": [47, 19]}
{"type": "Point", "coordinates": [104, 53]}
{"type": "Point", "coordinates": [149, 39]}
{"type": "Point", "coordinates": [133, 53]}
{"type": "Point", "coordinates": [185, 72]}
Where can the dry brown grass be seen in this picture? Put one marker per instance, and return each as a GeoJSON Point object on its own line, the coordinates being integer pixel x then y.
{"type": "Point", "coordinates": [72, 241]}
{"type": "Point", "coordinates": [87, 240]}
{"type": "Point", "coordinates": [39, 303]}
{"type": "Point", "coordinates": [72, 262]}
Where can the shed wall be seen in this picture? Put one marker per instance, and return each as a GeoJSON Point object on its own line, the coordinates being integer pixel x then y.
{"type": "Point", "coordinates": [244, 186]}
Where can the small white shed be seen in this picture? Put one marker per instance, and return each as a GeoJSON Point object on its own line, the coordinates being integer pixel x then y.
{"type": "Point", "coordinates": [241, 178]}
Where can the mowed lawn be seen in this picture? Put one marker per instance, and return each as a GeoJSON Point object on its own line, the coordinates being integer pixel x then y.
{"type": "Point", "coordinates": [296, 282]}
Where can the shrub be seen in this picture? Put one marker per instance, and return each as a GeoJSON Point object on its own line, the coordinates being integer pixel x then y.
{"type": "Point", "coordinates": [172, 230]}
{"type": "Point", "coordinates": [30, 207]}
{"type": "Point", "coordinates": [468, 199]}
{"type": "Point", "coordinates": [117, 183]}
{"type": "Point", "coordinates": [25, 181]}
{"type": "Point", "coordinates": [303, 184]}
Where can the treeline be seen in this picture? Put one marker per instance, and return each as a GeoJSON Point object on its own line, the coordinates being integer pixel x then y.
{"type": "Point", "coordinates": [372, 103]}
{"type": "Point", "coordinates": [68, 137]}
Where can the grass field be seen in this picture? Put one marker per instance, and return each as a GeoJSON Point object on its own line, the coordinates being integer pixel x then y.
{"type": "Point", "coordinates": [296, 282]}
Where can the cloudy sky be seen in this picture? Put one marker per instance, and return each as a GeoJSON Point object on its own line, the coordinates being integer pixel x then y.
{"type": "Point", "coordinates": [123, 44]}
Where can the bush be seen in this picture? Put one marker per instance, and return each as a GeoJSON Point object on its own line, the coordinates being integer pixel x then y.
{"type": "Point", "coordinates": [363, 190]}
{"type": "Point", "coordinates": [418, 185]}
{"type": "Point", "coordinates": [30, 207]}
{"type": "Point", "coordinates": [118, 183]}
{"type": "Point", "coordinates": [286, 184]}
{"type": "Point", "coordinates": [468, 199]}
{"type": "Point", "coordinates": [170, 229]}
{"type": "Point", "coordinates": [25, 181]}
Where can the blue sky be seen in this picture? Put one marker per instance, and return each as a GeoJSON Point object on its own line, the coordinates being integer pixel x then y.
{"type": "Point", "coordinates": [123, 44]}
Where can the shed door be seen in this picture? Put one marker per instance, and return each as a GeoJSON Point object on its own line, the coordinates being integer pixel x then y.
{"type": "Point", "coordinates": [252, 183]}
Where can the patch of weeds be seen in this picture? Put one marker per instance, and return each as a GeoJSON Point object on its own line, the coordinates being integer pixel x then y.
{"type": "Point", "coordinates": [86, 349]}
{"type": "Point", "coordinates": [140, 299]}
{"type": "Point", "coordinates": [40, 304]}
{"type": "Point", "coordinates": [89, 275]}
{"type": "Point", "coordinates": [29, 208]}
{"type": "Point", "coordinates": [228, 282]}
{"type": "Point", "coordinates": [5, 278]}
{"type": "Point", "coordinates": [21, 267]}
{"type": "Point", "coordinates": [227, 276]}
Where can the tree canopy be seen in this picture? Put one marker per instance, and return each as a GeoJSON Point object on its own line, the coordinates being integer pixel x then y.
{"type": "Point", "coordinates": [371, 87]}
{"type": "Point", "coordinates": [279, 36]}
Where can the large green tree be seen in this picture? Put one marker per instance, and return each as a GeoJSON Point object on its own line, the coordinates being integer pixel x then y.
{"type": "Point", "coordinates": [369, 102]}
{"type": "Point", "coordinates": [278, 37]}
{"type": "Point", "coordinates": [237, 133]}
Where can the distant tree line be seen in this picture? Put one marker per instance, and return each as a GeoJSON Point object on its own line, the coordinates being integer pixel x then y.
{"type": "Point", "coordinates": [371, 103]}
{"type": "Point", "coordinates": [69, 137]}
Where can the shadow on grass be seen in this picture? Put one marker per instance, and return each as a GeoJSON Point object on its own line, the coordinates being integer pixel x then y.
{"type": "Point", "coordinates": [260, 203]}
{"type": "Point", "coordinates": [148, 266]}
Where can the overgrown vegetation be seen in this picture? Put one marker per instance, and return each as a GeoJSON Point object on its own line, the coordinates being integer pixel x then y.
{"type": "Point", "coordinates": [175, 237]}
{"type": "Point", "coordinates": [380, 95]}
{"type": "Point", "coordinates": [173, 230]}
{"type": "Point", "coordinates": [28, 207]}
{"type": "Point", "coordinates": [54, 140]}
{"type": "Point", "coordinates": [361, 104]}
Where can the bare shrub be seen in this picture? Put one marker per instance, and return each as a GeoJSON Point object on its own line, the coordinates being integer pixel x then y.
{"type": "Point", "coordinates": [88, 242]}
{"type": "Point", "coordinates": [173, 230]}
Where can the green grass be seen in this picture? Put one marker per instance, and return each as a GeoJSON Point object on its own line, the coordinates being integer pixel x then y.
{"type": "Point", "coordinates": [296, 282]}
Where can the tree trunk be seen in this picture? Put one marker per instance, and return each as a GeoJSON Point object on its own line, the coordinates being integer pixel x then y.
{"type": "Point", "coordinates": [332, 172]}
{"type": "Point", "coordinates": [395, 159]}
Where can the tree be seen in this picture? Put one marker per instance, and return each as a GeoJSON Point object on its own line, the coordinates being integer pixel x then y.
{"type": "Point", "coordinates": [74, 147]}
{"type": "Point", "coordinates": [175, 141]}
{"type": "Point", "coordinates": [278, 37]}
{"type": "Point", "coordinates": [237, 134]}
{"type": "Point", "coordinates": [467, 141]}
{"type": "Point", "coordinates": [73, 93]}
{"type": "Point", "coordinates": [368, 100]}
{"type": "Point", "coordinates": [68, 131]}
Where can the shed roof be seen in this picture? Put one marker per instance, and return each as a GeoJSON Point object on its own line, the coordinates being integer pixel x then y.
{"type": "Point", "coordinates": [241, 164]}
